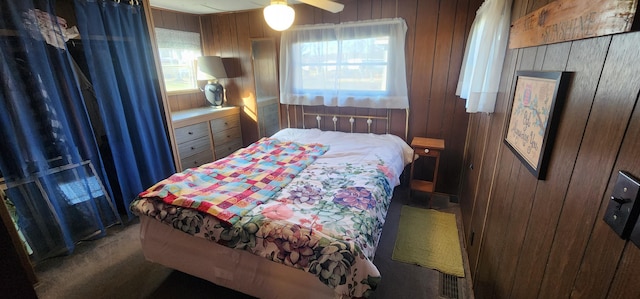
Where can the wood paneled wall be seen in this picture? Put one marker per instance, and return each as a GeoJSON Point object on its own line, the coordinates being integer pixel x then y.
{"type": "Point", "coordinates": [175, 20]}
{"type": "Point", "coordinates": [546, 239]}
{"type": "Point", "coordinates": [228, 36]}
{"type": "Point", "coordinates": [184, 22]}
{"type": "Point", "coordinates": [436, 38]}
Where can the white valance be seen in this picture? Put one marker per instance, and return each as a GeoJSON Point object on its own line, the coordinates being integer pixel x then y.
{"type": "Point", "coordinates": [354, 64]}
{"type": "Point", "coordinates": [169, 38]}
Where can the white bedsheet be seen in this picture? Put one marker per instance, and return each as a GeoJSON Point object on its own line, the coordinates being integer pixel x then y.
{"type": "Point", "coordinates": [349, 147]}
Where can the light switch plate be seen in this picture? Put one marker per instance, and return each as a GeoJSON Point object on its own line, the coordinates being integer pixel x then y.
{"type": "Point", "coordinates": [623, 209]}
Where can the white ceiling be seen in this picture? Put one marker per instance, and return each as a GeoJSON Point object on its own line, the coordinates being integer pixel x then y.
{"type": "Point", "coordinates": [211, 6]}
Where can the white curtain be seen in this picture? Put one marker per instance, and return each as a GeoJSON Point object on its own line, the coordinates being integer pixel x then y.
{"type": "Point", "coordinates": [354, 64]}
{"type": "Point", "coordinates": [484, 56]}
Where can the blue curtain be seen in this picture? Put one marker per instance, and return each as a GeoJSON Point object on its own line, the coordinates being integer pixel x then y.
{"type": "Point", "coordinates": [48, 155]}
{"type": "Point", "coordinates": [120, 64]}
{"type": "Point", "coordinates": [50, 160]}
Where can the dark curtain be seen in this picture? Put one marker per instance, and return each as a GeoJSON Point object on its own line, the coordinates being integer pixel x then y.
{"type": "Point", "coordinates": [120, 65]}
{"type": "Point", "coordinates": [48, 155]}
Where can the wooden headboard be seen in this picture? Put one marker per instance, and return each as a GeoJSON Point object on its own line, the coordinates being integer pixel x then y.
{"type": "Point", "coordinates": [346, 119]}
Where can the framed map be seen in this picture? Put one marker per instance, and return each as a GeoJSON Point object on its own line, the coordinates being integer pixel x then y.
{"type": "Point", "coordinates": [537, 103]}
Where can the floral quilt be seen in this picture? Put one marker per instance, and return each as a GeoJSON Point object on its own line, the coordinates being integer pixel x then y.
{"type": "Point", "coordinates": [327, 221]}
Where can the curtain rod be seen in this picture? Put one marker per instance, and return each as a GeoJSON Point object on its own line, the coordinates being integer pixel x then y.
{"type": "Point", "coordinates": [350, 24]}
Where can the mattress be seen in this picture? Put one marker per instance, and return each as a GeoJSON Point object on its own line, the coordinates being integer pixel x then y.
{"type": "Point", "coordinates": [319, 233]}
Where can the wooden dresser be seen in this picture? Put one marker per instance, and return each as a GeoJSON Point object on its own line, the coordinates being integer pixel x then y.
{"type": "Point", "coordinates": [206, 134]}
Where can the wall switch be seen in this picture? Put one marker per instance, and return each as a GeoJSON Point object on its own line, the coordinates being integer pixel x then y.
{"type": "Point", "coordinates": [623, 209]}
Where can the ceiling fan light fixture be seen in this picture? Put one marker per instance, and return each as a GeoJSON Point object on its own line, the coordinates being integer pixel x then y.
{"type": "Point", "coordinates": [279, 15]}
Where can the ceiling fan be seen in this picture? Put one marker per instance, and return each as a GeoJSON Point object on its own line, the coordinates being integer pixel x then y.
{"type": "Point", "coordinates": [327, 5]}
{"type": "Point", "coordinates": [279, 15]}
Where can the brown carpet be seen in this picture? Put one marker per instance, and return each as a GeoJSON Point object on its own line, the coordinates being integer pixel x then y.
{"type": "Point", "coordinates": [114, 267]}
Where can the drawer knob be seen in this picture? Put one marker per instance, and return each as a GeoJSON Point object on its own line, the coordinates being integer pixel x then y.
{"type": "Point", "coordinates": [225, 123]}
{"type": "Point", "coordinates": [193, 147]}
{"type": "Point", "coordinates": [426, 150]}
{"type": "Point", "coordinates": [190, 133]}
{"type": "Point", "coordinates": [228, 136]}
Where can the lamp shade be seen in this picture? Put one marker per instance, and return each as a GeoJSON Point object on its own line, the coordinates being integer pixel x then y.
{"type": "Point", "coordinates": [279, 15]}
{"type": "Point", "coordinates": [210, 68]}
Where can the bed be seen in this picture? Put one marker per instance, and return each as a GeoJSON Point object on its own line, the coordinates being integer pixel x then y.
{"type": "Point", "coordinates": [312, 236]}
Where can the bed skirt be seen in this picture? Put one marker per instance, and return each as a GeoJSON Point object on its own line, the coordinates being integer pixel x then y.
{"type": "Point", "coordinates": [235, 269]}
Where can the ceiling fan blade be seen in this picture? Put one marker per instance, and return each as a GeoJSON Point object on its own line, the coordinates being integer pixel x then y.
{"type": "Point", "coordinates": [328, 5]}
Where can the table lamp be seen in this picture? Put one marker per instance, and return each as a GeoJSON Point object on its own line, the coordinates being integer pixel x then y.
{"type": "Point", "coordinates": [210, 68]}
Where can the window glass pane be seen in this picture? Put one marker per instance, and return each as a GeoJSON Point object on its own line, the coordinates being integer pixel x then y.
{"type": "Point", "coordinates": [313, 77]}
{"type": "Point", "coordinates": [178, 51]}
{"type": "Point", "coordinates": [319, 52]}
{"type": "Point", "coordinates": [365, 64]}
{"type": "Point", "coordinates": [354, 64]}
{"type": "Point", "coordinates": [363, 78]}
{"type": "Point", "coordinates": [367, 49]}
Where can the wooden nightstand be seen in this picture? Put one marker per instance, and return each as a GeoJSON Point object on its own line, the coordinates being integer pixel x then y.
{"type": "Point", "coordinates": [425, 147]}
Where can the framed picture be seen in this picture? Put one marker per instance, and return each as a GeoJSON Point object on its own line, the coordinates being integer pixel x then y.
{"type": "Point", "coordinates": [537, 103]}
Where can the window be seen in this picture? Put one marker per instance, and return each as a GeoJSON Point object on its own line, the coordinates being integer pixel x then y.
{"type": "Point", "coordinates": [178, 51]}
{"type": "Point", "coordinates": [484, 55]}
{"type": "Point", "coordinates": [359, 64]}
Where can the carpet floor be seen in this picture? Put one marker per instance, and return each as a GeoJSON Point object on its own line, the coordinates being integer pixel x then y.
{"type": "Point", "coordinates": [114, 267]}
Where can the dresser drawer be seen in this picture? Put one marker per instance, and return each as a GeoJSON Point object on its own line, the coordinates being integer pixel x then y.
{"type": "Point", "coordinates": [198, 132]}
{"type": "Point", "coordinates": [226, 149]}
{"type": "Point", "coordinates": [192, 132]}
{"type": "Point", "coordinates": [192, 147]}
{"type": "Point", "coordinates": [197, 159]}
{"type": "Point", "coordinates": [225, 123]}
{"type": "Point", "coordinates": [226, 136]}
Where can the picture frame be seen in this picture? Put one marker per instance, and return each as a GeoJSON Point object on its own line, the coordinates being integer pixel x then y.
{"type": "Point", "coordinates": [536, 106]}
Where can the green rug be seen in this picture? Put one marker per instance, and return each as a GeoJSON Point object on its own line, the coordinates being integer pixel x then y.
{"type": "Point", "coordinates": [430, 239]}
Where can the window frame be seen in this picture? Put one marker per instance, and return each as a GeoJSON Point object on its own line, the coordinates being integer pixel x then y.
{"type": "Point", "coordinates": [334, 91]}
{"type": "Point", "coordinates": [193, 70]}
